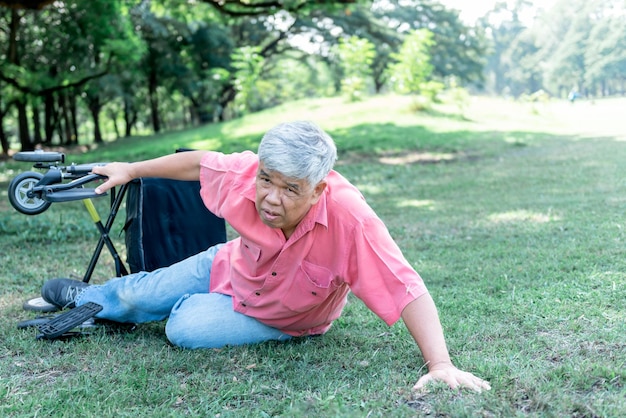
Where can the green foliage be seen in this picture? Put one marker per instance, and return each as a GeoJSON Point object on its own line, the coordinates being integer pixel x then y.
{"type": "Point", "coordinates": [458, 51]}
{"type": "Point", "coordinates": [356, 55]}
{"type": "Point", "coordinates": [412, 68]}
{"type": "Point", "coordinates": [294, 77]}
{"type": "Point", "coordinates": [155, 63]}
{"type": "Point", "coordinates": [575, 44]}
{"type": "Point", "coordinates": [607, 58]}
{"type": "Point", "coordinates": [248, 64]}
{"type": "Point", "coordinates": [411, 72]}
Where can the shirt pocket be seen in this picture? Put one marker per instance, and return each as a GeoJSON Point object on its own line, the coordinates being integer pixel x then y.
{"type": "Point", "coordinates": [250, 254]}
{"type": "Point", "coordinates": [310, 287]}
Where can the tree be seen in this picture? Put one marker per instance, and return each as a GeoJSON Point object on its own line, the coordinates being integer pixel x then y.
{"type": "Point", "coordinates": [13, 60]}
{"type": "Point", "coordinates": [248, 64]}
{"type": "Point", "coordinates": [209, 56]}
{"type": "Point", "coordinates": [524, 69]}
{"type": "Point", "coordinates": [503, 25]}
{"type": "Point", "coordinates": [566, 69]}
{"type": "Point", "coordinates": [356, 55]}
{"type": "Point", "coordinates": [25, 4]}
{"type": "Point", "coordinates": [292, 75]}
{"type": "Point", "coordinates": [606, 60]}
{"type": "Point", "coordinates": [233, 7]}
{"type": "Point", "coordinates": [238, 8]}
{"type": "Point", "coordinates": [52, 54]}
{"type": "Point", "coordinates": [576, 44]}
{"type": "Point", "coordinates": [202, 55]}
{"type": "Point", "coordinates": [360, 22]}
{"type": "Point", "coordinates": [112, 40]}
{"type": "Point", "coordinates": [413, 69]}
{"type": "Point", "coordinates": [5, 106]}
{"type": "Point", "coordinates": [458, 49]}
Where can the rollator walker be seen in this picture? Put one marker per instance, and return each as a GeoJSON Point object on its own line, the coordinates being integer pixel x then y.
{"type": "Point", "coordinates": [166, 222]}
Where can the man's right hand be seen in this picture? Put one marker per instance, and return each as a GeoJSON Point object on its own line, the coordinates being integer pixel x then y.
{"type": "Point", "coordinates": [116, 174]}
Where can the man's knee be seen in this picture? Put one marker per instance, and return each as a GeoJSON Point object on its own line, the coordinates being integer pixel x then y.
{"type": "Point", "coordinates": [177, 335]}
{"type": "Point", "coordinates": [184, 326]}
{"type": "Point", "coordinates": [208, 321]}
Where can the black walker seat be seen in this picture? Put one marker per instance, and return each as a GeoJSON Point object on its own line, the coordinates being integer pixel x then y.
{"type": "Point", "coordinates": [166, 221]}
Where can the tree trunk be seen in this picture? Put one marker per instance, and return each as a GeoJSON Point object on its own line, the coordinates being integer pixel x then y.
{"type": "Point", "coordinates": [13, 58]}
{"type": "Point", "coordinates": [193, 114]}
{"type": "Point", "coordinates": [127, 119]}
{"type": "Point", "coordinates": [37, 139]}
{"type": "Point", "coordinates": [198, 113]}
{"type": "Point", "coordinates": [378, 85]}
{"type": "Point", "coordinates": [4, 142]}
{"type": "Point", "coordinates": [154, 101]}
{"type": "Point", "coordinates": [130, 117]}
{"type": "Point", "coordinates": [73, 118]}
{"type": "Point", "coordinates": [49, 118]}
{"type": "Point", "coordinates": [228, 95]}
{"type": "Point", "coordinates": [22, 117]}
{"type": "Point", "coordinates": [64, 130]}
{"type": "Point", "coordinates": [94, 108]}
{"type": "Point", "coordinates": [116, 128]}
{"type": "Point", "coordinates": [14, 25]}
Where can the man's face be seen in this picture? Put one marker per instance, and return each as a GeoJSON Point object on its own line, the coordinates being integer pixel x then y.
{"type": "Point", "coordinates": [282, 202]}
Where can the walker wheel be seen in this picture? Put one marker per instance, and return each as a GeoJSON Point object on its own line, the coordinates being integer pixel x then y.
{"type": "Point", "coordinates": [18, 194]}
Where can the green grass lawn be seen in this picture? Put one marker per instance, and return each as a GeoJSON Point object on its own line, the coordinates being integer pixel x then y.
{"type": "Point", "coordinates": [513, 213]}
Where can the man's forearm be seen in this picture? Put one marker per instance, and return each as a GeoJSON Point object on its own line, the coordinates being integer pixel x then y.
{"type": "Point", "coordinates": [422, 320]}
{"type": "Point", "coordinates": [179, 166]}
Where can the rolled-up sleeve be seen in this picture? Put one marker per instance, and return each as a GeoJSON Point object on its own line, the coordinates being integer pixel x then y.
{"type": "Point", "coordinates": [221, 174]}
{"type": "Point", "coordinates": [381, 276]}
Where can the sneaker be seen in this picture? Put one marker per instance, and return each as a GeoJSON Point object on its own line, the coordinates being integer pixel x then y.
{"type": "Point", "coordinates": [62, 292]}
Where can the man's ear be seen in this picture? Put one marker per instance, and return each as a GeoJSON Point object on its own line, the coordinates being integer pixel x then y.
{"type": "Point", "coordinates": [318, 190]}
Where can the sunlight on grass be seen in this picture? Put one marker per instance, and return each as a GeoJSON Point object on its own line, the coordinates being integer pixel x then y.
{"type": "Point", "coordinates": [371, 189]}
{"type": "Point", "coordinates": [413, 203]}
{"type": "Point", "coordinates": [417, 157]}
{"type": "Point", "coordinates": [522, 216]}
{"type": "Point", "coordinates": [206, 144]}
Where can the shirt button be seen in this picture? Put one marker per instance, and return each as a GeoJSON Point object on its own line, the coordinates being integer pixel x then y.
{"type": "Point", "coordinates": [258, 293]}
{"type": "Point", "coordinates": [273, 273]}
{"type": "Point", "coordinates": [314, 293]}
{"type": "Point", "coordinates": [243, 304]}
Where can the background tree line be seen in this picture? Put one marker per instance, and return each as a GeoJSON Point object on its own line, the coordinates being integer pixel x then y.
{"type": "Point", "coordinates": [575, 45]}
{"type": "Point", "coordinates": [96, 69]}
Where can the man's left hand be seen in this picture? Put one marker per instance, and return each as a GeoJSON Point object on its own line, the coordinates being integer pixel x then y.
{"type": "Point", "coordinates": [453, 377]}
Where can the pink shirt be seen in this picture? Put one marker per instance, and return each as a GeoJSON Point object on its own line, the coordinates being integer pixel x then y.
{"type": "Point", "coordinates": [300, 285]}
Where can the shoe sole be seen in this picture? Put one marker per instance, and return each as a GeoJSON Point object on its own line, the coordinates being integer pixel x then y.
{"type": "Point", "coordinates": [39, 305]}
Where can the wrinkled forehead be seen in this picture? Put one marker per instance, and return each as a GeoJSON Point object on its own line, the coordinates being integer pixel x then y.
{"type": "Point", "coordinates": [277, 176]}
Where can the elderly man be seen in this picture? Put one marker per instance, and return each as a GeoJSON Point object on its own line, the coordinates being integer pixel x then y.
{"type": "Point", "coordinates": [306, 239]}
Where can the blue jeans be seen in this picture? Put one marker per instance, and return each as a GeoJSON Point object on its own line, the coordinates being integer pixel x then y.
{"type": "Point", "coordinates": [197, 318]}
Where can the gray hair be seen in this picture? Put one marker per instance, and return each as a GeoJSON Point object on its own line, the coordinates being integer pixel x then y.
{"type": "Point", "coordinates": [300, 150]}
